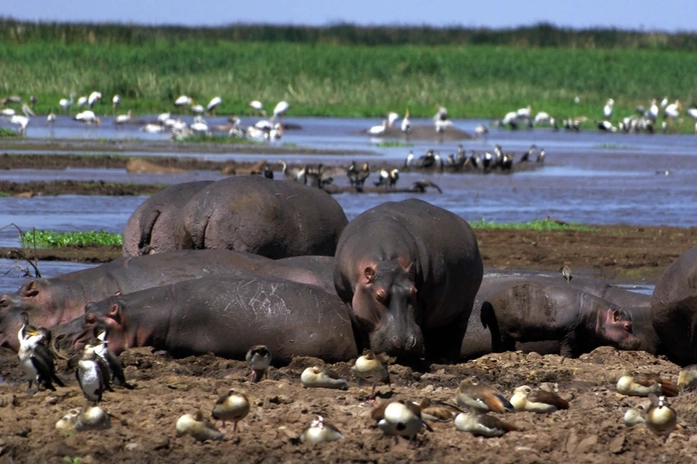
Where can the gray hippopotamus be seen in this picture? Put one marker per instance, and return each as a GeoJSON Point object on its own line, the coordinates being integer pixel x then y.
{"type": "Point", "coordinates": [276, 219]}
{"type": "Point", "coordinates": [478, 340]}
{"type": "Point", "coordinates": [674, 308]}
{"type": "Point", "coordinates": [225, 316]}
{"type": "Point", "coordinates": [155, 226]}
{"type": "Point", "coordinates": [411, 271]}
{"type": "Point", "coordinates": [321, 266]}
{"type": "Point", "coordinates": [54, 301]}
{"type": "Point", "coordinates": [580, 321]}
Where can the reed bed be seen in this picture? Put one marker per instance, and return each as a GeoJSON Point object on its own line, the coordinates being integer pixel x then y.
{"type": "Point", "coordinates": [324, 79]}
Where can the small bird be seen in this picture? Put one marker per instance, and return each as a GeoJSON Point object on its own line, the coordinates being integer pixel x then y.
{"type": "Point", "coordinates": [383, 178]}
{"type": "Point", "coordinates": [438, 411]}
{"type": "Point", "coordinates": [422, 184]}
{"type": "Point", "coordinates": [362, 175]}
{"type": "Point", "coordinates": [322, 377]}
{"type": "Point", "coordinates": [92, 418]}
{"type": "Point", "coordinates": [607, 109]}
{"type": "Point", "coordinates": [197, 427]}
{"type": "Point", "coordinates": [35, 357]}
{"type": "Point", "coordinates": [92, 373]}
{"type": "Point", "coordinates": [116, 373]}
{"type": "Point", "coordinates": [280, 109]}
{"type": "Point", "coordinates": [471, 394]}
{"type": "Point", "coordinates": [687, 379]}
{"type": "Point", "coordinates": [566, 272]}
{"type": "Point", "coordinates": [115, 101]}
{"type": "Point", "coordinates": [183, 100]}
{"type": "Point", "coordinates": [400, 418]}
{"type": "Point", "coordinates": [541, 156]}
{"type": "Point", "coordinates": [406, 124]}
{"type": "Point", "coordinates": [256, 105]}
{"type": "Point", "coordinates": [635, 384]}
{"type": "Point", "coordinates": [258, 358]}
{"type": "Point", "coordinates": [634, 416]}
{"type": "Point", "coordinates": [66, 103]}
{"type": "Point", "coordinates": [661, 419]}
{"type": "Point", "coordinates": [231, 407]}
{"type": "Point", "coordinates": [526, 156]}
{"type": "Point", "coordinates": [67, 422]}
{"type": "Point", "coordinates": [524, 399]}
{"type": "Point", "coordinates": [320, 431]}
{"type": "Point", "coordinates": [93, 98]}
{"type": "Point", "coordinates": [482, 425]}
{"type": "Point", "coordinates": [394, 177]}
{"type": "Point", "coordinates": [379, 129]}
{"type": "Point", "coordinates": [372, 369]}
{"type": "Point", "coordinates": [123, 118]}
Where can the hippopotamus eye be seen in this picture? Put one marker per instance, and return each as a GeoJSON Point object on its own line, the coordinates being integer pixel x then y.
{"type": "Point", "coordinates": [412, 292]}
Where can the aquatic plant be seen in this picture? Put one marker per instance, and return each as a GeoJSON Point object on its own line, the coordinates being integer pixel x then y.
{"type": "Point", "coordinates": [537, 225]}
{"type": "Point", "coordinates": [52, 239]}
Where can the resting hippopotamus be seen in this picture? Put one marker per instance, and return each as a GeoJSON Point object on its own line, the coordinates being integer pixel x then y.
{"type": "Point", "coordinates": [674, 308]}
{"type": "Point", "coordinates": [321, 266]}
{"type": "Point", "coordinates": [226, 316]}
{"type": "Point", "coordinates": [276, 219]}
{"type": "Point", "coordinates": [478, 340]}
{"type": "Point", "coordinates": [155, 226]}
{"type": "Point", "coordinates": [54, 301]}
{"type": "Point", "coordinates": [411, 271]}
{"type": "Point", "coordinates": [580, 321]}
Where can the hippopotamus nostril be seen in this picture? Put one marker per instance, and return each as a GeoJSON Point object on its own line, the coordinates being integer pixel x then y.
{"type": "Point", "coordinates": [396, 342]}
{"type": "Point", "coordinates": [411, 341]}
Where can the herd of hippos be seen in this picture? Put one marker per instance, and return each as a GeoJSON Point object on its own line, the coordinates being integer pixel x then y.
{"type": "Point", "coordinates": [256, 269]}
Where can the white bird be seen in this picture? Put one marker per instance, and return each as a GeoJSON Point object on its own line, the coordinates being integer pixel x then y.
{"type": "Point", "coordinates": [442, 113]}
{"type": "Point", "coordinates": [93, 98]}
{"type": "Point", "coordinates": [183, 101]}
{"type": "Point", "coordinates": [153, 128]}
{"type": "Point", "coordinates": [213, 104]}
{"type": "Point", "coordinates": [664, 102]}
{"type": "Point", "coordinates": [607, 109]}
{"type": "Point", "coordinates": [23, 121]}
{"type": "Point", "coordinates": [541, 118]}
{"type": "Point", "coordinates": [391, 118]}
{"type": "Point", "coordinates": [199, 125]}
{"type": "Point", "coordinates": [280, 109]}
{"type": "Point", "coordinates": [8, 112]}
{"type": "Point", "coordinates": [198, 109]}
{"type": "Point", "coordinates": [652, 112]}
{"type": "Point", "coordinates": [81, 101]}
{"type": "Point", "coordinates": [50, 119]}
{"type": "Point", "coordinates": [123, 118]}
{"type": "Point", "coordinates": [406, 124]}
{"type": "Point", "coordinates": [672, 111]}
{"type": "Point", "coordinates": [65, 103]}
{"type": "Point", "coordinates": [692, 112]}
{"type": "Point", "coordinates": [379, 129]}
{"type": "Point", "coordinates": [524, 113]}
{"type": "Point", "coordinates": [115, 101]}
{"type": "Point", "coordinates": [256, 105]}
{"type": "Point", "coordinates": [162, 117]}
{"type": "Point", "coordinates": [87, 117]}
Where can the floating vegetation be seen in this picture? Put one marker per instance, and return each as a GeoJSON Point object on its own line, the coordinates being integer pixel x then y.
{"type": "Point", "coordinates": [537, 225]}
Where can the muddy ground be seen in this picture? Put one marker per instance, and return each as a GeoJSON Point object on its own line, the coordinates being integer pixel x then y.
{"type": "Point", "coordinates": [591, 431]}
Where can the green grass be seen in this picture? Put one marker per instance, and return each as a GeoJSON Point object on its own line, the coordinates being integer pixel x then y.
{"type": "Point", "coordinates": [537, 225]}
{"type": "Point", "coordinates": [223, 139]}
{"type": "Point", "coordinates": [394, 144]}
{"type": "Point", "coordinates": [340, 79]}
{"type": "Point", "coordinates": [52, 239]}
{"type": "Point", "coordinates": [8, 133]}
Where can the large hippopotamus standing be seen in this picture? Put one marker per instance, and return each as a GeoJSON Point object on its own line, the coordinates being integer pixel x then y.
{"type": "Point", "coordinates": [411, 271]}
{"type": "Point", "coordinates": [271, 218]}
{"type": "Point", "coordinates": [155, 226]}
{"type": "Point", "coordinates": [225, 316]}
{"type": "Point", "coordinates": [54, 301]}
{"type": "Point", "coordinates": [578, 320]}
{"type": "Point", "coordinates": [674, 308]}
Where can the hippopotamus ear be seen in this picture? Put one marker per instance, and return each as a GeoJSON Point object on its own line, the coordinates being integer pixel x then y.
{"type": "Point", "coordinates": [410, 270]}
{"type": "Point", "coordinates": [369, 273]}
{"type": "Point", "coordinates": [115, 313]}
{"type": "Point", "coordinates": [30, 289]}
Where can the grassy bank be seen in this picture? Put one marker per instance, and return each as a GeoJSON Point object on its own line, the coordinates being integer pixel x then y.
{"type": "Point", "coordinates": [324, 79]}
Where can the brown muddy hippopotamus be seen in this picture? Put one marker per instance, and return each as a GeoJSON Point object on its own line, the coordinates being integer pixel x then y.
{"type": "Point", "coordinates": [224, 316]}
{"type": "Point", "coordinates": [478, 340]}
{"type": "Point", "coordinates": [60, 299]}
{"type": "Point", "coordinates": [674, 308]}
{"type": "Point", "coordinates": [580, 321]}
{"type": "Point", "coordinates": [155, 226]}
{"type": "Point", "coordinates": [410, 271]}
{"type": "Point", "coordinates": [277, 219]}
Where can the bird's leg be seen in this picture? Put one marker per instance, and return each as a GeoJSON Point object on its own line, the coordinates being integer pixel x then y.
{"type": "Point", "coordinates": [372, 393]}
{"type": "Point", "coordinates": [29, 390]}
{"type": "Point", "coordinates": [234, 427]}
{"type": "Point", "coordinates": [222, 428]}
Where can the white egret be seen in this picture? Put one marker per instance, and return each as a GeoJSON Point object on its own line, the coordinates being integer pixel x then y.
{"type": "Point", "coordinates": [115, 100]}
{"type": "Point", "coordinates": [406, 124]}
{"type": "Point", "coordinates": [607, 109]}
{"type": "Point", "coordinates": [93, 98]}
{"type": "Point", "coordinates": [213, 104]}
{"type": "Point", "coordinates": [65, 103]}
{"type": "Point", "coordinates": [280, 109]}
{"type": "Point", "coordinates": [183, 101]}
{"type": "Point", "coordinates": [88, 117]}
{"type": "Point", "coordinates": [198, 109]}
{"type": "Point", "coordinates": [123, 118]}
{"type": "Point", "coordinates": [81, 101]}
{"type": "Point", "coordinates": [256, 105]}
{"type": "Point", "coordinates": [23, 121]}
{"type": "Point", "coordinates": [377, 130]}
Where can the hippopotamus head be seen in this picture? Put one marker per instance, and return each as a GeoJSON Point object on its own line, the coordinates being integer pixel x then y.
{"type": "Point", "coordinates": [613, 325]}
{"type": "Point", "coordinates": [384, 303]}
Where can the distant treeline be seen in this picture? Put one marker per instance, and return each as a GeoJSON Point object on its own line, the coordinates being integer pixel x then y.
{"type": "Point", "coordinates": [539, 35]}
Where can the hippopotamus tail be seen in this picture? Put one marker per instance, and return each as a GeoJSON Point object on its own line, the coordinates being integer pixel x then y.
{"type": "Point", "coordinates": [487, 315]}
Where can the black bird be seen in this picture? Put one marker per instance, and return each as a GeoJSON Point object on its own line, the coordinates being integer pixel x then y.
{"type": "Point", "coordinates": [421, 185]}
{"type": "Point", "coordinates": [426, 161]}
{"type": "Point", "coordinates": [394, 177]}
{"type": "Point", "coordinates": [527, 154]}
{"type": "Point", "coordinates": [92, 373]}
{"type": "Point", "coordinates": [352, 173]}
{"type": "Point", "coordinates": [268, 172]}
{"type": "Point", "coordinates": [541, 156]}
{"type": "Point", "coordinates": [384, 178]}
{"type": "Point", "coordinates": [362, 176]}
{"type": "Point", "coordinates": [116, 374]}
{"type": "Point", "coordinates": [35, 356]}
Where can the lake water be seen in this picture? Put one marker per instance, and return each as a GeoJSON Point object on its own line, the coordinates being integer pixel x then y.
{"type": "Point", "coordinates": [588, 176]}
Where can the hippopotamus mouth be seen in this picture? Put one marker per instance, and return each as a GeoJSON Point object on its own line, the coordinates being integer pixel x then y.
{"type": "Point", "coordinates": [618, 329]}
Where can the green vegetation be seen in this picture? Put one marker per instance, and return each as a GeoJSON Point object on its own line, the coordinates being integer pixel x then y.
{"type": "Point", "coordinates": [4, 194]}
{"type": "Point", "coordinates": [52, 239]}
{"type": "Point", "coordinates": [349, 71]}
{"type": "Point", "coordinates": [537, 225]}
{"type": "Point", "coordinates": [394, 144]}
{"type": "Point", "coordinates": [204, 138]}
{"type": "Point", "coordinates": [8, 133]}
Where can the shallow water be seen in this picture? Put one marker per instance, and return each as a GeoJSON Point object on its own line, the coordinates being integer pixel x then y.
{"type": "Point", "coordinates": [589, 176]}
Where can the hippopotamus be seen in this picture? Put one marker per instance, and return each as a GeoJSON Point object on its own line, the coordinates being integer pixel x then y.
{"type": "Point", "coordinates": [321, 266]}
{"type": "Point", "coordinates": [276, 219]}
{"type": "Point", "coordinates": [54, 301]}
{"type": "Point", "coordinates": [410, 271]}
{"type": "Point", "coordinates": [674, 309]}
{"type": "Point", "coordinates": [155, 226]}
{"type": "Point", "coordinates": [478, 340]}
{"type": "Point", "coordinates": [580, 321]}
{"type": "Point", "coordinates": [225, 316]}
